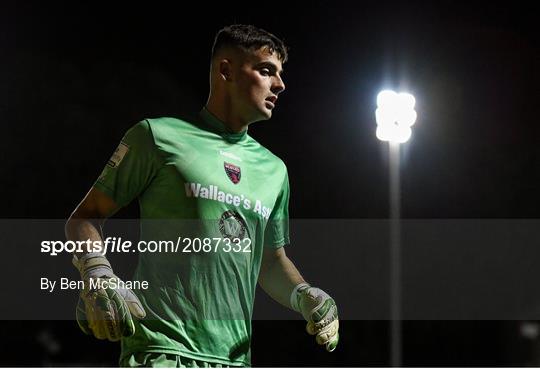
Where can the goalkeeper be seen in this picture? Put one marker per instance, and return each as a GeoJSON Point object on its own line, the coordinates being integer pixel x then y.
{"type": "Point", "coordinates": [198, 306]}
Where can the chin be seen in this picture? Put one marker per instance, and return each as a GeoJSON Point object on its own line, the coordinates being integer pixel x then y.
{"type": "Point", "coordinates": [266, 113]}
{"type": "Point", "coordinates": [260, 113]}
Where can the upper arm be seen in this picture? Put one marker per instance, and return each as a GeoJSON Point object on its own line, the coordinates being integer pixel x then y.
{"type": "Point", "coordinates": [131, 169]}
{"type": "Point", "coordinates": [95, 205]}
{"type": "Point", "coordinates": [276, 234]}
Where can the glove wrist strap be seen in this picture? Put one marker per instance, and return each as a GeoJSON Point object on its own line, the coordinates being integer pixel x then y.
{"type": "Point", "coordinates": [294, 299]}
{"type": "Point", "coordinates": [92, 265]}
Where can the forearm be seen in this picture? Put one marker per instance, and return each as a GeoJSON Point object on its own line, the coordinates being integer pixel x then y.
{"type": "Point", "coordinates": [104, 311]}
{"type": "Point", "coordinates": [86, 221]}
{"type": "Point", "coordinates": [279, 278]}
{"type": "Point", "coordinates": [82, 229]}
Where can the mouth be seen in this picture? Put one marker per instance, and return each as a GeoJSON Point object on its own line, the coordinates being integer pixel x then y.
{"type": "Point", "coordinates": [271, 101]}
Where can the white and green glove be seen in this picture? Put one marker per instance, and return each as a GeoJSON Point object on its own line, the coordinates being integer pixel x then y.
{"type": "Point", "coordinates": [106, 312]}
{"type": "Point", "coordinates": [320, 312]}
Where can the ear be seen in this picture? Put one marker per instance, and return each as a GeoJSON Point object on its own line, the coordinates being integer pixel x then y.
{"type": "Point", "coordinates": [225, 69]}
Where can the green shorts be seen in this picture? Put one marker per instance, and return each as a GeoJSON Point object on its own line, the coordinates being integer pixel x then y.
{"type": "Point", "coordinates": [157, 360]}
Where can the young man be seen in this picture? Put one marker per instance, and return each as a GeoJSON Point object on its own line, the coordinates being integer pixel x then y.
{"type": "Point", "coordinates": [197, 308]}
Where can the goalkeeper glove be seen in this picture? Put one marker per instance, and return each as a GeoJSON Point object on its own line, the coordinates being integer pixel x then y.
{"type": "Point", "coordinates": [320, 312]}
{"type": "Point", "coordinates": [102, 310]}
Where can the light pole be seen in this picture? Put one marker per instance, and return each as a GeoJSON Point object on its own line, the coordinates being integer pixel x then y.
{"type": "Point", "coordinates": [395, 115]}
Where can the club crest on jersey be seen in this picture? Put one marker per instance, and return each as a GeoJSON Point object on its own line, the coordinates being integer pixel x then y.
{"type": "Point", "coordinates": [233, 172]}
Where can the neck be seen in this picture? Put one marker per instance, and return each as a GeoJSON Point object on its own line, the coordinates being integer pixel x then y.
{"type": "Point", "coordinates": [225, 114]}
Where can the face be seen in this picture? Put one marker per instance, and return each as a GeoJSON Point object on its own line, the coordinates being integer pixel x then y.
{"type": "Point", "coordinates": [257, 85]}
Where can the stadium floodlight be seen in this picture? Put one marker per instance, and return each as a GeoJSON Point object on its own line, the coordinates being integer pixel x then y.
{"type": "Point", "coordinates": [395, 115]}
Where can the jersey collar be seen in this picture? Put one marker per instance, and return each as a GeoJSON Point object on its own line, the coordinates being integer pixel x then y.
{"type": "Point", "coordinates": [217, 126]}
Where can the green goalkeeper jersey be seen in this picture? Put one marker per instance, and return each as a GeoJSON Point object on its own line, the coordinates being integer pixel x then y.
{"type": "Point", "coordinates": [214, 199]}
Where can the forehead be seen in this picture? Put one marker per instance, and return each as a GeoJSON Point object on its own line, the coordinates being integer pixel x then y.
{"type": "Point", "coordinates": [264, 55]}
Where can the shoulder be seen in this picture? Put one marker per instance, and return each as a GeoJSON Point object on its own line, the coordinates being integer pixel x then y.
{"type": "Point", "coordinates": [168, 124]}
{"type": "Point", "coordinates": [151, 133]}
{"type": "Point", "coordinates": [168, 128]}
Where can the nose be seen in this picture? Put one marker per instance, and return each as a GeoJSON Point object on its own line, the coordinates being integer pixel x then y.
{"type": "Point", "coordinates": [277, 86]}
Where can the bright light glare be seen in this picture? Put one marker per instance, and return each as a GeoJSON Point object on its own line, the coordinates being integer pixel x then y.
{"type": "Point", "coordinates": [386, 98]}
{"type": "Point", "coordinates": [406, 100]}
{"type": "Point", "coordinates": [407, 117]}
{"type": "Point", "coordinates": [395, 115]}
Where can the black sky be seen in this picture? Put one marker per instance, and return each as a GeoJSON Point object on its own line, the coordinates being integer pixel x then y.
{"type": "Point", "coordinates": [75, 77]}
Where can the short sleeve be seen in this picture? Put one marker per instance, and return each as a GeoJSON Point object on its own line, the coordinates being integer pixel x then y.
{"type": "Point", "coordinates": [276, 233]}
{"type": "Point", "coordinates": [132, 166]}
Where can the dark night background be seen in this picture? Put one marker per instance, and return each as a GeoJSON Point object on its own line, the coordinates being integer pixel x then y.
{"type": "Point", "coordinates": [74, 77]}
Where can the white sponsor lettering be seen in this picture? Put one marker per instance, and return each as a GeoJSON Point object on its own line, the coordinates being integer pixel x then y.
{"type": "Point", "coordinates": [192, 189]}
{"type": "Point", "coordinates": [229, 155]}
{"type": "Point", "coordinates": [212, 192]}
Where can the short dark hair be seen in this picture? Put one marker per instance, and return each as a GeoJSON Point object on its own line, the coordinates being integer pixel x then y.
{"type": "Point", "coordinates": [248, 38]}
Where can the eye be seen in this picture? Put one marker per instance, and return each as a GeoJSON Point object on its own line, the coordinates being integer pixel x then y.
{"type": "Point", "coordinates": [265, 71]}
